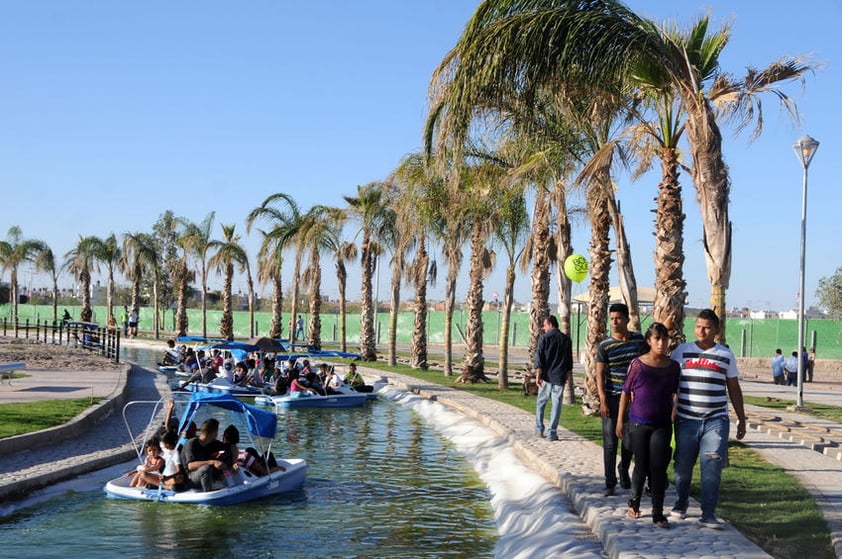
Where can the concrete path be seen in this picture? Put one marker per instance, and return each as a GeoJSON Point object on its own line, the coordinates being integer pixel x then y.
{"type": "Point", "coordinates": [573, 463]}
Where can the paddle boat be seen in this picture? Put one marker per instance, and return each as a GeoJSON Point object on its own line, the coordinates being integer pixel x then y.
{"type": "Point", "coordinates": [257, 426]}
{"type": "Point", "coordinates": [344, 397]}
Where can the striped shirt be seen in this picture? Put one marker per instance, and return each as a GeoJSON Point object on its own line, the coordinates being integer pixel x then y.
{"type": "Point", "coordinates": [617, 355]}
{"type": "Point", "coordinates": [702, 391]}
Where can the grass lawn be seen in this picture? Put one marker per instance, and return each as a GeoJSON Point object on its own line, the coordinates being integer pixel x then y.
{"type": "Point", "coordinates": [764, 503]}
{"type": "Point", "coordinates": [20, 418]}
{"type": "Point", "coordinates": [821, 411]}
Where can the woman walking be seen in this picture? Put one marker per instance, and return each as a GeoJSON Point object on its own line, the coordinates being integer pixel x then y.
{"type": "Point", "coordinates": [648, 397]}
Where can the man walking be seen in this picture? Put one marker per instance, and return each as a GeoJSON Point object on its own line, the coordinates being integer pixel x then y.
{"type": "Point", "coordinates": [553, 362]}
{"type": "Point", "coordinates": [709, 377]}
{"type": "Point", "coordinates": [612, 363]}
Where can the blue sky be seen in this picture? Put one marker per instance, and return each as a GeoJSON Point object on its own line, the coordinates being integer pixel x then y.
{"type": "Point", "coordinates": [113, 113]}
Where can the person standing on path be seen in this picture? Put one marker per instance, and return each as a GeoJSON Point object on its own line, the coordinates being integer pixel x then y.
{"type": "Point", "coordinates": [613, 357]}
{"type": "Point", "coordinates": [553, 362]}
{"type": "Point", "coordinates": [778, 367]}
{"type": "Point", "coordinates": [648, 397]}
{"type": "Point", "coordinates": [709, 376]}
{"type": "Point", "coordinates": [791, 369]}
{"type": "Point", "coordinates": [299, 328]}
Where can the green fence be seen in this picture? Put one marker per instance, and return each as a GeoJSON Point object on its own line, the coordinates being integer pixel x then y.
{"type": "Point", "coordinates": [747, 338]}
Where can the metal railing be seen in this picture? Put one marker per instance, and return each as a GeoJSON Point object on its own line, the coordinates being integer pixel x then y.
{"type": "Point", "coordinates": [87, 335]}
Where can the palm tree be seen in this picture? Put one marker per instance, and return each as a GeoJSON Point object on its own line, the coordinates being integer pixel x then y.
{"type": "Point", "coordinates": [452, 236]}
{"type": "Point", "coordinates": [139, 256]}
{"type": "Point", "coordinates": [342, 252]}
{"type": "Point", "coordinates": [318, 233]}
{"type": "Point", "coordinates": [108, 252]}
{"type": "Point", "coordinates": [229, 252]}
{"type": "Point", "coordinates": [691, 62]}
{"type": "Point", "coordinates": [368, 208]}
{"type": "Point", "coordinates": [13, 252]}
{"type": "Point", "coordinates": [285, 220]}
{"type": "Point", "coordinates": [80, 261]}
{"type": "Point", "coordinates": [183, 276]}
{"type": "Point", "coordinates": [512, 227]}
{"type": "Point", "coordinates": [45, 261]}
{"type": "Point", "coordinates": [660, 136]}
{"type": "Point", "coordinates": [416, 214]}
{"type": "Point", "coordinates": [481, 188]}
{"type": "Point", "coordinates": [199, 242]}
{"type": "Point", "coordinates": [269, 262]}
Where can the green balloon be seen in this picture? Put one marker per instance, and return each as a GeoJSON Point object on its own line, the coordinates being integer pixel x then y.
{"type": "Point", "coordinates": [576, 267]}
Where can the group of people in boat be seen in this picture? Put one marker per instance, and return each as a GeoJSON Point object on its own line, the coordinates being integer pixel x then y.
{"type": "Point", "coordinates": [202, 461]}
{"type": "Point", "coordinates": [276, 378]}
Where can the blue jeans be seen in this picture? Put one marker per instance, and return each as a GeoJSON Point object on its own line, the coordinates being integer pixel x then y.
{"type": "Point", "coordinates": [553, 392]}
{"type": "Point", "coordinates": [707, 440]}
{"type": "Point", "coordinates": [610, 443]}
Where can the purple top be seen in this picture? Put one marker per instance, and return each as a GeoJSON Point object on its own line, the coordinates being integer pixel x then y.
{"type": "Point", "coordinates": [650, 390]}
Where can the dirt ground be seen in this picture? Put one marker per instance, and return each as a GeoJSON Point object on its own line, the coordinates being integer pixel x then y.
{"type": "Point", "coordinates": [38, 355]}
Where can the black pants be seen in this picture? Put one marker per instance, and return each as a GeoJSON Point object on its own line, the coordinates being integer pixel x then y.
{"type": "Point", "coordinates": [651, 447]}
{"type": "Point", "coordinates": [609, 444]}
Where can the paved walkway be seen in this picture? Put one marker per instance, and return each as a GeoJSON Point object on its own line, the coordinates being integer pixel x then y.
{"type": "Point", "coordinates": [573, 464]}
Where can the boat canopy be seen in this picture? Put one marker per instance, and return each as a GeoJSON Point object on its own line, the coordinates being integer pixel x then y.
{"type": "Point", "coordinates": [261, 423]}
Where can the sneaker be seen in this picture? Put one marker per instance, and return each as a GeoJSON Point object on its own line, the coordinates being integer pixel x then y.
{"type": "Point", "coordinates": [678, 513]}
{"type": "Point", "coordinates": [553, 437]}
{"type": "Point", "coordinates": [539, 433]}
{"type": "Point", "coordinates": [608, 492]}
{"type": "Point", "coordinates": [710, 522]}
{"type": "Point", "coordinates": [625, 480]}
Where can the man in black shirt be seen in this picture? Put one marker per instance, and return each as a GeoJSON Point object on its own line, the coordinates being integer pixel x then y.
{"type": "Point", "coordinates": [553, 362]}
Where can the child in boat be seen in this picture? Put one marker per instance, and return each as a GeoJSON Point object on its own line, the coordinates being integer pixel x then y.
{"type": "Point", "coordinates": [172, 476]}
{"type": "Point", "coordinates": [154, 464]}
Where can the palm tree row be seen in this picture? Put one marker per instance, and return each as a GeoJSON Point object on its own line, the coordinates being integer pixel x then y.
{"type": "Point", "coordinates": [538, 98]}
{"type": "Point", "coordinates": [586, 84]}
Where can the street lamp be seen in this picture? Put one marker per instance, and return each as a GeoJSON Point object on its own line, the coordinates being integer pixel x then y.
{"type": "Point", "coordinates": [805, 148]}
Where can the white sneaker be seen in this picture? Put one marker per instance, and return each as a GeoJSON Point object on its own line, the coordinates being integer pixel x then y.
{"type": "Point", "coordinates": [677, 513]}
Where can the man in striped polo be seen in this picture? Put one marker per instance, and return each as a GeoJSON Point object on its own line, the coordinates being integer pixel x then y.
{"type": "Point", "coordinates": [612, 363]}
{"type": "Point", "coordinates": [709, 377]}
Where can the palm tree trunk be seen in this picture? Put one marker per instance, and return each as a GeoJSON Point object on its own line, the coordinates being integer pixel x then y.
{"type": "Point", "coordinates": [395, 299]}
{"type": "Point", "coordinates": [181, 320]}
{"type": "Point", "coordinates": [449, 307]}
{"type": "Point", "coordinates": [13, 293]}
{"type": "Point", "coordinates": [564, 284]}
{"type": "Point", "coordinates": [368, 342]}
{"type": "Point", "coordinates": [85, 280]}
{"type": "Point", "coordinates": [625, 270]}
{"type": "Point", "coordinates": [342, 279]}
{"type": "Point", "coordinates": [276, 327]}
{"type": "Point", "coordinates": [419, 333]}
{"type": "Point", "coordinates": [315, 300]}
{"type": "Point", "coordinates": [598, 289]}
{"type": "Point", "coordinates": [710, 175]}
{"type": "Point", "coordinates": [204, 300]}
{"type": "Point", "coordinates": [296, 274]}
{"type": "Point", "coordinates": [474, 360]}
{"type": "Point", "coordinates": [670, 293]}
{"type": "Point", "coordinates": [155, 322]}
{"type": "Point", "coordinates": [250, 284]}
{"type": "Point", "coordinates": [505, 324]}
{"type": "Point", "coordinates": [55, 298]}
{"type": "Point", "coordinates": [226, 325]}
{"type": "Point", "coordinates": [540, 272]}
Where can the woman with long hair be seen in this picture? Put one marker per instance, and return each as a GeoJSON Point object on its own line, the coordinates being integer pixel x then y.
{"type": "Point", "coordinates": [649, 397]}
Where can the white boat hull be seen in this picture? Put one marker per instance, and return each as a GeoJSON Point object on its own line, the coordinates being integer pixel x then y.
{"type": "Point", "coordinates": [241, 487]}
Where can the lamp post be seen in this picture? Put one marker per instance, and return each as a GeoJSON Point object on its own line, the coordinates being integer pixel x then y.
{"type": "Point", "coordinates": [805, 148]}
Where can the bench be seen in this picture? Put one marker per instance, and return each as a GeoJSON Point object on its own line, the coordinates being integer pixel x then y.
{"type": "Point", "coordinates": [7, 370]}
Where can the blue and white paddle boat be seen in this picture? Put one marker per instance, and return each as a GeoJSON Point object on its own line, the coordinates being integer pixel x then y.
{"type": "Point", "coordinates": [346, 397]}
{"type": "Point", "coordinates": [257, 426]}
